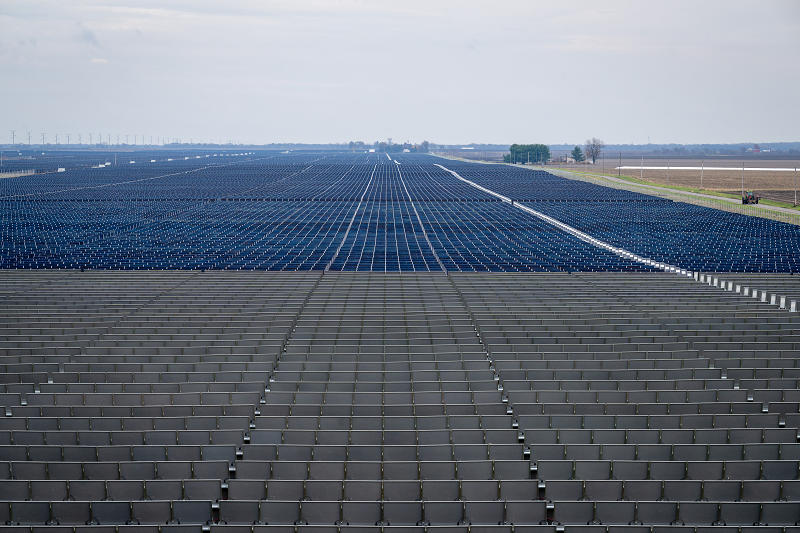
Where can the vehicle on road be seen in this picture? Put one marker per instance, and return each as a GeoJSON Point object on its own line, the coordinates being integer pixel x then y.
{"type": "Point", "coordinates": [750, 198]}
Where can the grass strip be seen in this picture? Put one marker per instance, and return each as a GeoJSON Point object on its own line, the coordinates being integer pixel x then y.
{"type": "Point", "coordinates": [773, 203]}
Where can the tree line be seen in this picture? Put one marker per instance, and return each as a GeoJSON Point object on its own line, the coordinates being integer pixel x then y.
{"type": "Point", "coordinates": [527, 153]}
{"type": "Point", "coordinates": [391, 148]}
{"type": "Point", "coordinates": [594, 149]}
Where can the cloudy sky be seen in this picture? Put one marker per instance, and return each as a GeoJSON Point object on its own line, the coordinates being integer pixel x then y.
{"type": "Point", "coordinates": [460, 71]}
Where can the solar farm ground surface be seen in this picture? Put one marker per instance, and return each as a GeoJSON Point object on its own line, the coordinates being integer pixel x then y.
{"type": "Point", "coordinates": [323, 343]}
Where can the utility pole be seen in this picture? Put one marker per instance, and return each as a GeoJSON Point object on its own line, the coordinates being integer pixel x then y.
{"type": "Point", "coordinates": [742, 180]}
{"type": "Point", "coordinates": [42, 140]}
{"type": "Point", "coordinates": [29, 140]}
{"type": "Point", "coordinates": [795, 186]}
{"type": "Point", "coordinates": [90, 139]}
{"type": "Point", "coordinates": [117, 139]}
{"type": "Point", "coordinates": [12, 138]}
{"type": "Point", "coordinates": [80, 141]}
{"type": "Point", "coordinates": [702, 167]}
{"type": "Point", "coordinates": [56, 134]}
{"type": "Point", "coordinates": [67, 139]}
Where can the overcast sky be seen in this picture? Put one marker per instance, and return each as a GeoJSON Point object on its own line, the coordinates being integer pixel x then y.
{"type": "Point", "coordinates": [447, 71]}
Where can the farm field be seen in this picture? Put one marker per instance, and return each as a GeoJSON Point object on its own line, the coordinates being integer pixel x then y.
{"type": "Point", "coordinates": [772, 185]}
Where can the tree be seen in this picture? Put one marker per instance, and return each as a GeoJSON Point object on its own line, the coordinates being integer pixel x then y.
{"type": "Point", "coordinates": [594, 148]}
{"type": "Point", "coordinates": [383, 146]}
{"type": "Point", "coordinates": [523, 153]}
{"type": "Point", "coordinates": [577, 154]}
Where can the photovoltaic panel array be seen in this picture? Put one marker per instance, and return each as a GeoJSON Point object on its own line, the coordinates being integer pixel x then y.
{"type": "Point", "coordinates": [692, 237]}
{"type": "Point", "coordinates": [356, 212]}
{"type": "Point", "coordinates": [163, 390]}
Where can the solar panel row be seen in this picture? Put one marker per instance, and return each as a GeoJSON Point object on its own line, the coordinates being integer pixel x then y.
{"type": "Point", "coordinates": [295, 212]}
{"type": "Point", "coordinates": [692, 237]}
{"type": "Point", "coordinates": [343, 399]}
{"type": "Point", "coordinates": [242, 402]}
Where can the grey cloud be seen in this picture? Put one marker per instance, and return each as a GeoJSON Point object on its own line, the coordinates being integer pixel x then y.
{"type": "Point", "coordinates": [87, 36]}
{"type": "Point", "coordinates": [316, 70]}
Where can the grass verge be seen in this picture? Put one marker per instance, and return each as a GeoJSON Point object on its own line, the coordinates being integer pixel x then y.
{"type": "Point", "coordinates": [629, 179]}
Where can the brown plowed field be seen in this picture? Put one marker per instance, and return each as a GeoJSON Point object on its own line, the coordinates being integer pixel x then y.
{"type": "Point", "coordinates": [772, 185]}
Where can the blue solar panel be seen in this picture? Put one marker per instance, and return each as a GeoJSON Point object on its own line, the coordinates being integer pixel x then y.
{"type": "Point", "coordinates": [690, 236]}
{"type": "Point", "coordinates": [356, 212]}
